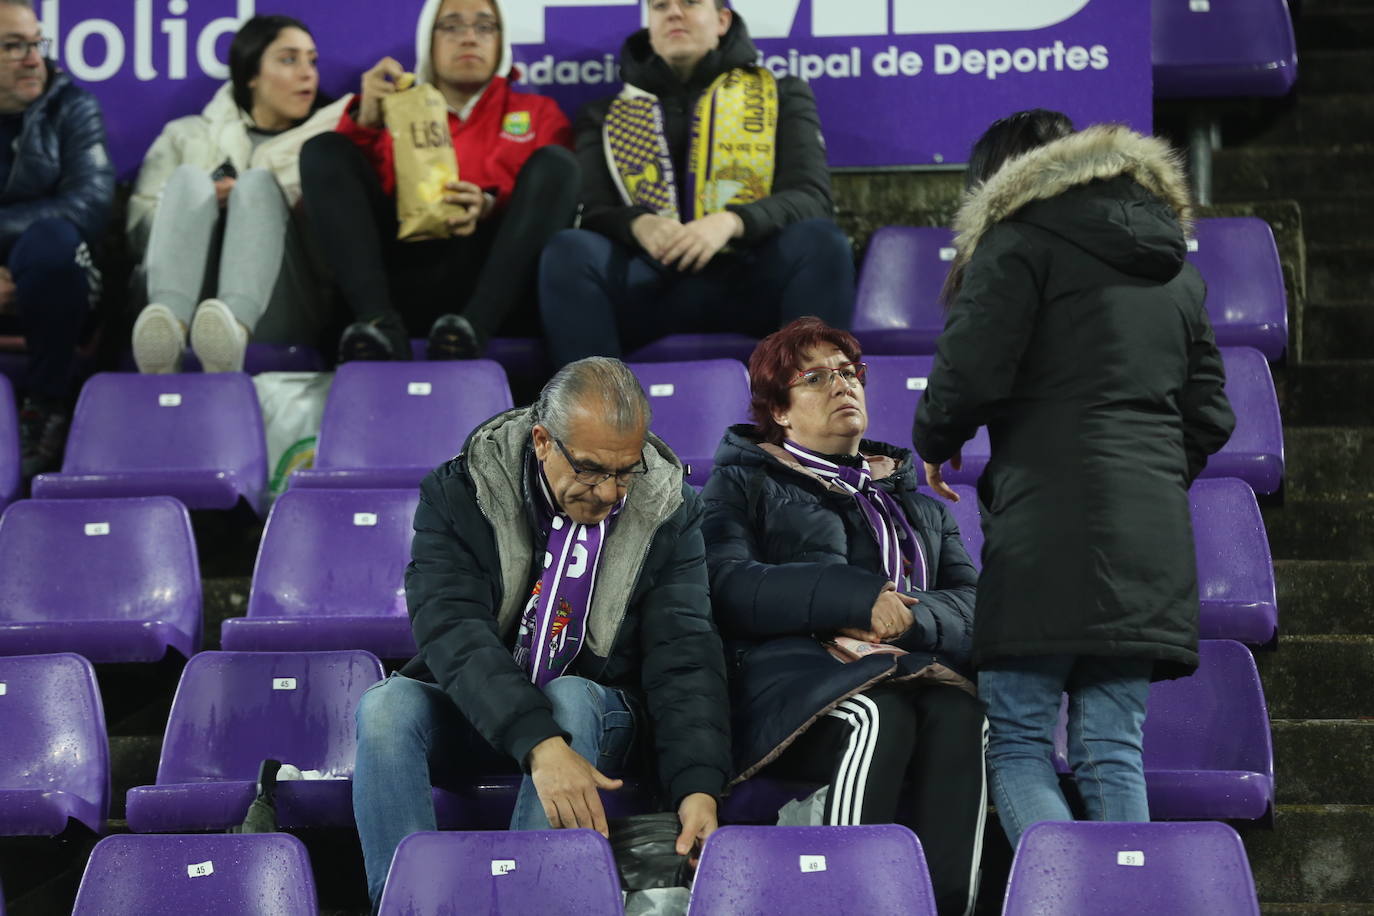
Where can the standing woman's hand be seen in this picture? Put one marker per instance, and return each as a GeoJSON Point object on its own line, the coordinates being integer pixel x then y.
{"type": "Point", "coordinates": [937, 482]}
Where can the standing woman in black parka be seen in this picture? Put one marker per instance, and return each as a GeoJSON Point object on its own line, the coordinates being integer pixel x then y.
{"type": "Point", "coordinates": [1076, 333]}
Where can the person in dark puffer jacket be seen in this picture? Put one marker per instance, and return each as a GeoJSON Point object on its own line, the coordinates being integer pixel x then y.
{"type": "Point", "coordinates": [814, 532]}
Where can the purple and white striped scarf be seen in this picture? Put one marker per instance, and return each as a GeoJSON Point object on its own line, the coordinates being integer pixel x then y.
{"type": "Point", "coordinates": [554, 623]}
{"type": "Point", "coordinates": [904, 561]}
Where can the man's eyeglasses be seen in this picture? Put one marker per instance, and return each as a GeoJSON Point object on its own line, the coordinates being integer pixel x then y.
{"type": "Point", "coordinates": [594, 477]}
{"type": "Point", "coordinates": [821, 378]}
{"type": "Point", "coordinates": [453, 28]}
{"type": "Point", "coordinates": [18, 48]}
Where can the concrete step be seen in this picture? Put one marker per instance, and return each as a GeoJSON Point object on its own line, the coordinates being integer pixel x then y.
{"type": "Point", "coordinates": [1321, 529]}
{"type": "Point", "coordinates": [223, 597]}
{"type": "Point", "coordinates": [1266, 173]}
{"type": "Point", "coordinates": [1319, 677]}
{"type": "Point", "coordinates": [1341, 273]}
{"type": "Point", "coordinates": [1339, 220]}
{"type": "Point", "coordinates": [1316, 855]}
{"type": "Point", "coordinates": [1317, 909]}
{"type": "Point", "coordinates": [1338, 332]}
{"type": "Point", "coordinates": [1304, 120]}
{"type": "Point", "coordinates": [1329, 462]}
{"type": "Point", "coordinates": [1326, 393]}
{"type": "Point", "coordinates": [1334, 72]}
{"type": "Point", "coordinates": [1324, 761]}
{"type": "Point", "coordinates": [866, 201]}
{"type": "Point", "coordinates": [1325, 597]}
{"type": "Point", "coordinates": [1344, 29]}
{"type": "Point", "coordinates": [133, 762]}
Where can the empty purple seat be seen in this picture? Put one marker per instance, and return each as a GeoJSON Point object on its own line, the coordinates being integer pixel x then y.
{"type": "Point", "coordinates": [267, 874]}
{"type": "Point", "coordinates": [1110, 869]}
{"type": "Point", "coordinates": [9, 444]}
{"type": "Point", "coordinates": [1218, 49]}
{"type": "Point", "coordinates": [502, 872]}
{"type": "Point", "coordinates": [115, 580]}
{"type": "Point", "coordinates": [693, 403]}
{"type": "Point", "coordinates": [387, 425]}
{"type": "Point", "coordinates": [897, 306]}
{"type": "Point", "coordinates": [54, 756]}
{"type": "Point", "coordinates": [894, 389]}
{"type": "Point", "coordinates": [875, 869]}
{"type": "Point", "coordinates": [681, 348]}
{"type": "Point", "coordinates": [232, 710]}
{"type": "Point", "coordinates": [1207, 746]}
{"type": "Point", "coordinates": [331, 575]}
{"type": "Point", "coordinates": [1255, 451]}
{"type": "Point", "coordinates": [196, 437]}
{"type": "Point", "coordinates": [1235, 575]}
{"type": "Point", "coordinates": [258, 358]}
{"type": "Point", "coordinates": [1245, 296]}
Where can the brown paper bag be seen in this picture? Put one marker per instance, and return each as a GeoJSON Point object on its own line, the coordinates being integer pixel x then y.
{"type": "Point", "coordinates": [424, 160]}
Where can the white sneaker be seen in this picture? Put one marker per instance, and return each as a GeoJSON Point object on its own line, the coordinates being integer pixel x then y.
{"type": "Point", "coordinates": [159, 340]}
{"type": "Point", "coordinates": [218, 338]}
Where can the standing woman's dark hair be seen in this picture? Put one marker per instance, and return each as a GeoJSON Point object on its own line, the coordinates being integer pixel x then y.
{"type": "Point", "coordinates": [246, 50]}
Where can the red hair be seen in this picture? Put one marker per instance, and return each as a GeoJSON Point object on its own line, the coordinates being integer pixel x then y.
{"type": "Point", "coordinates": [776, 361]}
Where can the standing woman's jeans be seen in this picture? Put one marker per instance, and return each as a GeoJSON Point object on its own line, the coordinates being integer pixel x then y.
{"type": "Point", "coordinates": [1106, 717]}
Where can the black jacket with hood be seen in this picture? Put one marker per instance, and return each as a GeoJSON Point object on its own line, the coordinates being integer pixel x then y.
{"type": "Point", "coordinates": [801, 178]}
{"type": "Point", "coordinates": [1079, 338]}
{"type": "Point", "coordinates": [649, 627]}
{"type": "Point", "coordinates": [791, 559]}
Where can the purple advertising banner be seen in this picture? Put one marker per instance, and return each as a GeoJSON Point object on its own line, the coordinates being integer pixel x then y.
{"type": "Point", "coordinates": [897, 82]}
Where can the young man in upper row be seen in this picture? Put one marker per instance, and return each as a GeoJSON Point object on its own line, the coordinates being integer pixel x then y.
{"type": "Point", "coordinates": [517, 186]}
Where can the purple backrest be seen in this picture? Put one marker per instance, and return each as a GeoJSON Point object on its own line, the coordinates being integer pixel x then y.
{"type": "Point", "coordinates": [334, 553]}
{"type": "Point", "coordinates": [897, 306]}
{"type": "Point", "coordinates": [138, 590]}
{"type": "Point", "coordinates": [1246, 301]}
{"type": "Point", "coordinates": [693, 403]}
{"type": "Point", "coordinates": [1255, 450]}
{"type": "Point", "coordinates": [267, 874]}
{"type": "Point", "coordinates": [1115, 869]}
{"type": "Point", "coordinates": [407, 414]}
{"type": "Point", "coordinates": [9, 444]}
{"type": "Point", "coordinates": [1222, 48]}
{"type": "Point", "coordinates": [54, 756]}
{"type": "Point", "coordinates": [233, 709]}
{"type": "Point", "coordinates": [877, 868]}
{"type": "Point", "coordinates": [895, 384]}
{"type": "Point", "coordinates": [502, 872]}
{"type": "Point", "coordinates": [679, 348]}
{"type": "Point", "coordinates": [1235, 574]}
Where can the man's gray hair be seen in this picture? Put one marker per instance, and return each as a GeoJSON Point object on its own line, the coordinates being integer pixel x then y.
{"type": "Point", "coordinates": [603, 386]}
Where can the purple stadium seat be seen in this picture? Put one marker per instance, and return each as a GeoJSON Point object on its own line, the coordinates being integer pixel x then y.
{"type": "Point", "coordinates": [523, 358]}
{"type": "Point", "coordinates": [693, 403]}
{"type": "Point", "coordinates": [137, 593]}
{"type": "Point", "coordinates": [875, 869]}
{"type": "Point", "coordinates": [497, 873]}
{"type": "Point", "coordinates": [894, 389]}
{"type": "Point", "coordinates": [267, 874]}
{"type": "Point", "coordinates": [9, 444]}
{"type": "Point", "coordinates": [1112, 869]}
{"type": "Point", "coordinates": [331, 575]}
{"type": "Point", "coordinates": [487, 803]}
{"type": "Point", "coordinates": [1245, 296]}
{"type": "Point", "coordinates": [232, 710]}
{"type": "Point", "coordinates": [1255, 451]}
{"type": "Point", "coordinates": [259, 357]}
{"type": "Point", "coordinates": [387, 425]}
{"type": "Point", "coordinates": [897, 307]}
{"type": "Point", "coordinates": [1208, 752]}
{"type": "Point", "coordinates": [1235, 575]}
{"type": "Point", "coordinates": [1220, 49]}
{"type": "Point", "coordinates": [54, 756]}
{"type": "Point", "coordinates": [681, 348]}
{"type": "Point", "coordinates": [196, 437]}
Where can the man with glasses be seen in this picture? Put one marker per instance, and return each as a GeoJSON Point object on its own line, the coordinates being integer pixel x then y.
{"type": "Point", "coordinates": [56, 188]}
{"type": "Point", "coordinates": [517, 186]}
{"type": "Point", "coordinates": [557, 592]}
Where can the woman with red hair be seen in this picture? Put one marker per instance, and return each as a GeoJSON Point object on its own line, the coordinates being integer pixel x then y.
{"type": "Point", "coordinates": [847, 600]}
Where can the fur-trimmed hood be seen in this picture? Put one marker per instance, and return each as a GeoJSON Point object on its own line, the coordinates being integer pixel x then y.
{"type": "Point", "coordinates": [1118, 194]}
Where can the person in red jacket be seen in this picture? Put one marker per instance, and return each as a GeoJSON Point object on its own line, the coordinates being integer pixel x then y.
{"type": "Point", "coordinates": [518, 185]}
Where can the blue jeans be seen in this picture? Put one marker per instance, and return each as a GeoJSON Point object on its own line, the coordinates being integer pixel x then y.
{"type": "Point", "coordinates": [1106, 717]}
{"type": "Point", "coordinates": [411, 736]}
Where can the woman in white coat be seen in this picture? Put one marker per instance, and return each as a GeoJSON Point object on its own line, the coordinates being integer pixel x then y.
{"type": "Point", "coordinates": [214, 209]}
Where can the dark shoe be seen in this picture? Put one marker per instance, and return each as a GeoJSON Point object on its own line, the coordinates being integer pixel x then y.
{"type": "Point", "coordinates": [378, 339]}
{"type": "Point", "coordinates": [452, 337]}
{"type": "Point", "coordinates": [42, 436]}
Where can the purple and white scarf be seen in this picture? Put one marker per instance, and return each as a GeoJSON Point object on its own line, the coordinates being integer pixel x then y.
{"type": "Point", "coordinates": [554, 623]}
{"type": "Point", "coordinates": [904, 560]}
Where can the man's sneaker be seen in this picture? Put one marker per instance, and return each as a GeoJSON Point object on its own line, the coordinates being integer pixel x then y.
{"type": "Point", "coordinates": [217, 337]}
{"type": "Point", "coordinates": [452, 337]}
{"type": "Point", "coordinates": [379, 339]}
{"type": "Point", "coordinates": [42, 436]}
{"type": "Point", "coordinates": [159, 341]}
